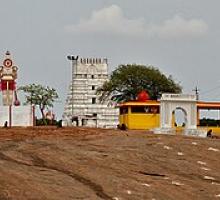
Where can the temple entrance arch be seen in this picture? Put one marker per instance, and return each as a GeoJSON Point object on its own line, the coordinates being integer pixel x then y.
{"type": "Point", "coordinates": [179, 117]}
{"type": "Point", "coordinates": [172, 102]}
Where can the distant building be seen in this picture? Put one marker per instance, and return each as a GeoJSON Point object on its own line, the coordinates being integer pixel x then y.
{"type": "Point", "coordinates": [82, 106]}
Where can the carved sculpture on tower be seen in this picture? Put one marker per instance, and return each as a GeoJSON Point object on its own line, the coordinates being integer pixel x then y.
{"type": "Point", "coordinates": [8, 75]}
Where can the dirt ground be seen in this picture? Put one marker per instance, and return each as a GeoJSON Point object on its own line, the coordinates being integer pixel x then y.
{"type": "Point", "coordinates": [79, 163]}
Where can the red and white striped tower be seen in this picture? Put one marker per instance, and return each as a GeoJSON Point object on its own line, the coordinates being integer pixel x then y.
{"type": "Point", "coordinates": [8, 75]}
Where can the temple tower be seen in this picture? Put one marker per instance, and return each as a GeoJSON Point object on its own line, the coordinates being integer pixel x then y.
{"type": "Point", "coordinates": [82, 106]}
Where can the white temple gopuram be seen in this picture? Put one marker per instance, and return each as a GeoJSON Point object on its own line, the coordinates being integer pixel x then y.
{"type": "Point", "coordinates": [82, 107]}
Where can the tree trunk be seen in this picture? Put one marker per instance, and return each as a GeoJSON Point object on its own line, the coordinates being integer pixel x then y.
{"type": "Point", "coordinates": [43, 116]}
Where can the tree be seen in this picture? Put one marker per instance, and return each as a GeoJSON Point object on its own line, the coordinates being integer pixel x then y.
{"type": "Point", "coordinates": [128, 80]}
{"type": "Point", "coordinates": [39, 95]}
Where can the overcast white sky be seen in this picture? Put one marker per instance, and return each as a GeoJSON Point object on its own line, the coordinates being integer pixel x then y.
{"type": "Point", "coordinates": [180, 37]}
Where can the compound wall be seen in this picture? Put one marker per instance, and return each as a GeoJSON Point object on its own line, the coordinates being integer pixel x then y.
{"type": "Point", "coordinates": [17, 115]}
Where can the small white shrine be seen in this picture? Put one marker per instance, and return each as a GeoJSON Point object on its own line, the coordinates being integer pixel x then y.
{"type": "Point", "coordinates": [187, 103]}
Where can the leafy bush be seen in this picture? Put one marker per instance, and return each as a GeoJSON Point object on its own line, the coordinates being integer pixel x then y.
{"type": "Point", "coordinates": [209, 122]}
{"type": "Point", "coordinates": [47, 122]}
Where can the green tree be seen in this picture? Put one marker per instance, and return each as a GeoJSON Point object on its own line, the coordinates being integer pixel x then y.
{"type": "Point", "coordinates": [41, 96]}
{"type": "Point", "coordinates": [128, 80]}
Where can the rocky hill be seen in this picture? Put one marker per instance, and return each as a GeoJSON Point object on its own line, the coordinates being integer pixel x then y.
{"type": "Point", "coordinates": [76, 163]}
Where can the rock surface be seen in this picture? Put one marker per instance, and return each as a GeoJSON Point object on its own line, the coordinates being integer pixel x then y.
{"type": "Point", "coordinates": [80, 163]}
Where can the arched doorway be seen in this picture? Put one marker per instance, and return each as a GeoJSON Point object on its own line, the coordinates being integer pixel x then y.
{"type": "Point", "coordinates": [179, 120]}
{"type": "Point", "coordinates": [179, 103]}
{"type": "Point", "coordinates": [179, 117]}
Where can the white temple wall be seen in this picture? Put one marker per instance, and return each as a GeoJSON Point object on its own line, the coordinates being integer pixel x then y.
{"type": "Point", "coordinates": [17, 115]}
{"type": "Point", "coordinates": [4, 115]}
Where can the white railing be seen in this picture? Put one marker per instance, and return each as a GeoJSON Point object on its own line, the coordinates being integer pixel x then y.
{"type": "Point", "coordinates": [178, 97]}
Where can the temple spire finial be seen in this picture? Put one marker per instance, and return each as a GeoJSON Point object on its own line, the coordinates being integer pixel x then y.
{"type": "Point", "coordinates": [7, 53]}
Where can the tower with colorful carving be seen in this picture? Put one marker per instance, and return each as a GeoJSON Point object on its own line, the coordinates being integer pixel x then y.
{"type": "Point", "coordinates": [8, 75]}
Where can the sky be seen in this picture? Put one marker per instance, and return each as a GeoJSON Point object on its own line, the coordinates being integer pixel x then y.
{"type": "Point", "coordinates": [179, 37]}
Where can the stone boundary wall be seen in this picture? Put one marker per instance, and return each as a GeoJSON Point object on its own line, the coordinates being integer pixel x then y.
{"type": "Point", "coordinates": [17, 115]}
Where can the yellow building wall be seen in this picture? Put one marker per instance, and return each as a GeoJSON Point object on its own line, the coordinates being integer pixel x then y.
{"type": "Point", "coordinates": [144, 121]}
{"type": "Point", "coordinates": [140, 121]}
{"type": "Point", "coordinates": [123, 119]}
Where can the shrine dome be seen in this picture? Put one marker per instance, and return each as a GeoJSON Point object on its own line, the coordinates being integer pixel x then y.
{"type": "Point", "coordinates": [143, 96]}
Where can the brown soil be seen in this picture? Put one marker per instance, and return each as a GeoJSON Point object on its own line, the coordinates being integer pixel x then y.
{"type": "Point", "coordinates": [80, 163]}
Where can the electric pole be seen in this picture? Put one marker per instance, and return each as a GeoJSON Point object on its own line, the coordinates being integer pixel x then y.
{"type": "Point", "coordinates": [196, 90]}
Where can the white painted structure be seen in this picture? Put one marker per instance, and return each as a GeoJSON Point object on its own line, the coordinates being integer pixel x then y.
{"type": "Point", "coordinates": [186, 102]}
{"type": "Point", "coordinates": [82, 106]}
{"type": "Point", "coordinates": [17, 115]}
